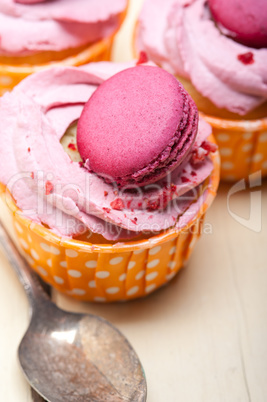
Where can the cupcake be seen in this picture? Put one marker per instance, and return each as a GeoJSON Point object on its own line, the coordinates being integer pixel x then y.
{"type": "Point", "coordinates": [38, 33]}
{"type": "Point", "coordinates": [108, 173]}
{"type": "Point", "coordinates": [218, 51]}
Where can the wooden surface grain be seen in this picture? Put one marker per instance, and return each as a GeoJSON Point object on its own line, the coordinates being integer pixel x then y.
{"type": "Point", "coordinates": [203, 337]}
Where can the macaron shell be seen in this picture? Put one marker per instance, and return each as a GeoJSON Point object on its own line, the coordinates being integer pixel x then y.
{"type": "Point", "coordinates": [244, 20]}
{"type": "Point", "coordinates": [132, 120]}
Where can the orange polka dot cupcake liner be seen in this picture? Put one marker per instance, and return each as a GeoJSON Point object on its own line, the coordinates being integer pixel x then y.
{"type": "Point", "coordinates": [242, 146]}
{"type": "Point", "coordinates": [109, 272]}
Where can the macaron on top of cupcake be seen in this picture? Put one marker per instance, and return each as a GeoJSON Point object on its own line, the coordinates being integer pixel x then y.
{"type": "Point", "coordinates": [168, 173]}
{"type": "Point", "coordinates": [138, 126]}
{"type": "Point", "coordinates": [244, 21]}
{"type": "Point", "coordinates": [208, 44]}
{"type": "Point", "coordinates": [31, 26]}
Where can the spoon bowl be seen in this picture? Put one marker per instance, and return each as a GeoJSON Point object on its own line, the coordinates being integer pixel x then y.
{"type": "Point", "coordinates": [73, 357]}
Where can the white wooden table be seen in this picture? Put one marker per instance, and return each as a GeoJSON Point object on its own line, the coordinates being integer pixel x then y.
{"type": "Point", "coordinates": [202, 338]}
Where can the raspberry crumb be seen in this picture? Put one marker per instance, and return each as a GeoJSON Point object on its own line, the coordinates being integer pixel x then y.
{"type": "Point", "coordinates": [209, 146]}
{"type": "Point", "coordinates": [246, 58]}
{"type": "Point", "coordinates": [152, 205]}
{"type": "Point", "coordinates": [193, 173]}
{"type": "Point", "coordinates": [105, 193]}
{"type": "Point", "coordinates": [142, 58]}
{"type": "Point", "coordinates": [173, 188]}
{"type": "Point", "coordinates": [48, 187]}
{"type": "Point", "coordinates": [107, 210]}
{"type": "Point", "coordinates": [29, 149]}
{"type": "Point", "coordinates": [184, 179]}
{"type": "Point", "coordinates": [133, 221]}
{"type": "Point", "coordinates": [72, 146]}
{"type": "Point", "coordinates": [117, 204]}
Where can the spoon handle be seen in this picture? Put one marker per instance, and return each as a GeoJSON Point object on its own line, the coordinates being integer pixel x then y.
{"type": "Point", "coordinates": [36, 397]}
{"type": "Point", "coordinates": [27, 277]}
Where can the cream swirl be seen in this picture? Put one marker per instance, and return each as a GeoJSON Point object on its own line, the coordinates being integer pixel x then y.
{"type": "Point", "coordinates": [182, 37]}
{"type": "Point", "coordinates": [56, 25]}
{"type": "Point", "coordinates": [52, 189]}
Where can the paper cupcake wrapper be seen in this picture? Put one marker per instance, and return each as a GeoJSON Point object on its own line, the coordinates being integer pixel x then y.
{"type": "Point", "coordinates": [11, 75]}
{"type": "Point", "coordinates": [106, 272]}
{"type": "Point", "coordinates": [242, 146]}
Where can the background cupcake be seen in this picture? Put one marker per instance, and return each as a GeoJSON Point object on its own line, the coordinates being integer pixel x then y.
{"type": "Point", "coordinates": [35, 34]}
{"type": "Point", "coordinates": [221, 70]}
{"type": "Point", "coordinates": [120, 217]}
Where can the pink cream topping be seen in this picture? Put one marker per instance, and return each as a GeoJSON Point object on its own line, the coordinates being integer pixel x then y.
{"type": "Point", "coordinates": [27, 27]}
{"type": "Point", "coordinates": [182, 37]}
{"type": "Point", "coordinates": [52, 189]}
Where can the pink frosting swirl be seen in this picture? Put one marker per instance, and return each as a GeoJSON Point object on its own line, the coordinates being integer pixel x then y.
{"type": "Point", "coordinates": [56, 25]}
{"type": "Point", "coordinates": [181, 36]}
{"type": "Point", "coordinates": [50, 188]}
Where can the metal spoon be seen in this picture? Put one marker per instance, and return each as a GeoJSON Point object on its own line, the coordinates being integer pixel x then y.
{"type": "Point", "coordinates": [73, 357]}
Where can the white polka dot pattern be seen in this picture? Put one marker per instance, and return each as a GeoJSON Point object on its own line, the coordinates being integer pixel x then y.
{"type": "Point", "coordinates": [154, 250]}
{"type": "Point", "coordinates": [131, 264]}
{"type": "Point", "coordinates": [50, 249]}
{"type": "Point", "coordinates": [112, 290]}
{"type": "Point", "coordinates": [115, 261]}
{"type": "Point", "coordinates": [149, 288]}
{"type": "Point", "coordinates": [227, 165]}
{"type": "Point", "coordinates": [91, 264]}
{"type": "Point", "coordinates": [24, 244]}
{"type": "Point", "coordinates": [257, 157]}
{"type": "Point", "coordinates": [140, 275]}
{"type": "Point", "coordinates": [172, 264]}
{"type": "Point", "coordinates": [226, 151]}
{"type": "Point", "coordinates": [242, 147]}
{"type": "Point", "coordinates": [172, 250]}
{"type": "Point", "coordinates": [102, 274]}
{"type": "Point", "coordinates": [42, 271]}
{"type": "Point", "coordinates": [105, 277]}
{"type": "Point", "coordinates": [151, 276]}
{"type": "Point", "coordinates": [71, 253]}
{"type": "Point", "coordinates": [100, 299]}
{"type": "Point", "coordinates": [153, 263]}
{"type": "Point", "coordinates": [122, 277]}
{"type": "Point", "coordinates": [132, 291]}
{"type": "Point", "coordinates": [34, 254]}
{"type": "Point", "coordinates": [263, 137]}
{"type": "Point", "coordinates": [74, 273]}
{"type": "Point", "coordinates": [58, 280]}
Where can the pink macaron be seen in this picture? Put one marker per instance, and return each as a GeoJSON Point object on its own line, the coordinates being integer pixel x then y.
{"type": "Point", "coordinates": [138, 126]}
{"type": "Point", "coordinates": [243, 20]}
